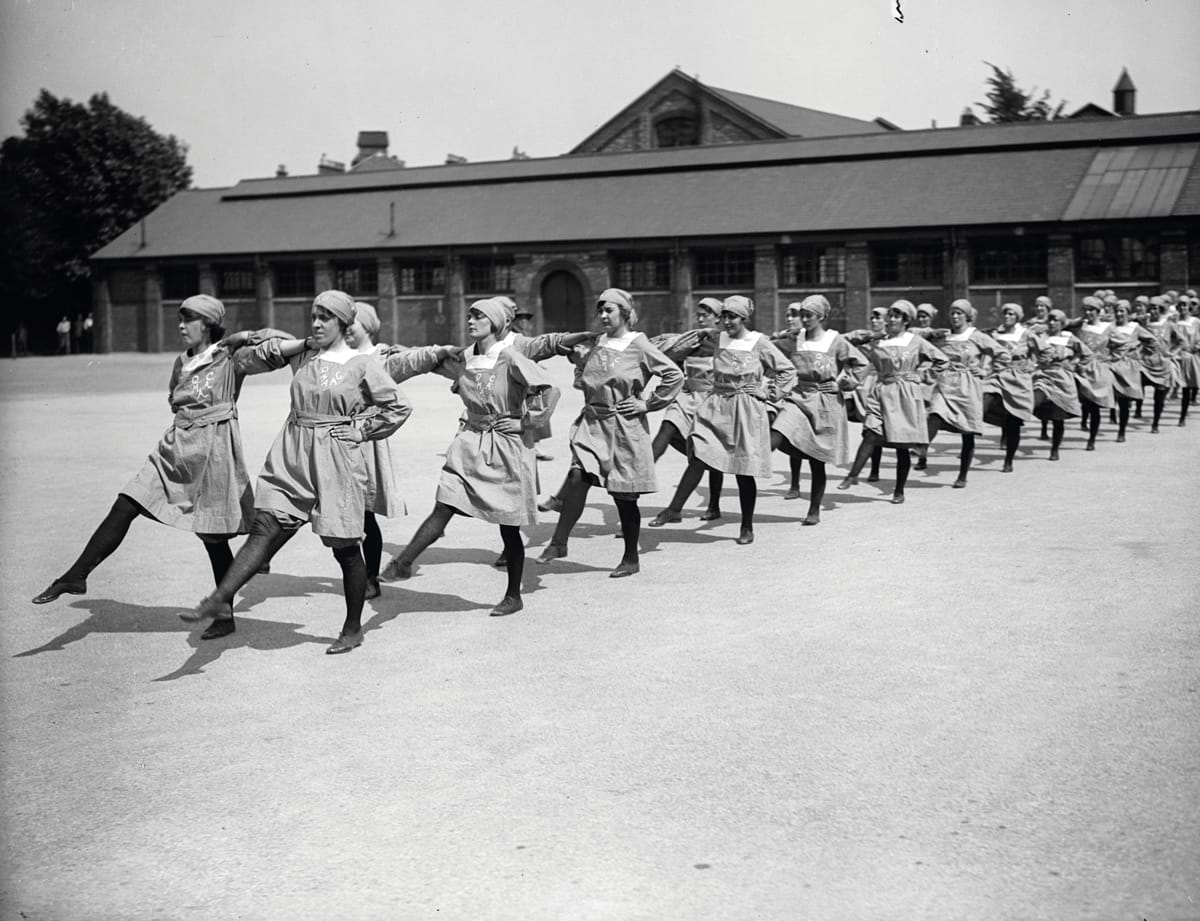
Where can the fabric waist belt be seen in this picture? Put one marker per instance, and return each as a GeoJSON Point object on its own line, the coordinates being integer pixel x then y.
{"type": "Point", "coordinates": [752, 387]}
{"type": "Point", "coordinates": [599, 410]}
{"type": "Point", "coordinates": [483, 422]}
{"type": "Point", "coordinates": [313, 420]}
{"type": "Point", "coordinates": [816, 387]}
{"type": "Point", "coordinates": [911, 376]}
{"type": "Point", "coordinates": [189, 418]}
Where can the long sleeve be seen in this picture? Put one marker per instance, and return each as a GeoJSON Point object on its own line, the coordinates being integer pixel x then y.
{"type": "Point", "coordinates": [778, 367]}
{"type": "Point", "coordinates": [392, 406]}
{"type": "Point", "coordinates": [262, 357]}
{"type": "Point", "coordinates": [670, 377]}
{"type": "Point", "coordinates": [401, 363]}
{"type": "Point", "coordinates": [933, 355]}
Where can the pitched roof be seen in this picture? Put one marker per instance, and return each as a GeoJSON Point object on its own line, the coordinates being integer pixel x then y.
{"type": "Point", "coordinates": [989, 174]}
{"type": "Point", "coordinates": [797, 121]}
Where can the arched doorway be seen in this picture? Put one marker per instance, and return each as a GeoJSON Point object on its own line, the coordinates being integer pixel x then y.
{"type": "Point", "coordinates": [563, 310]}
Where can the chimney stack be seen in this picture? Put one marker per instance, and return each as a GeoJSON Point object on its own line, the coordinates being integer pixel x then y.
{"type": "Point", "coordinates": [370, 144]}
{"type": "Point", "coordinates": [1125, 95]}
{"type": "Point", "coordinates": [967, 118]}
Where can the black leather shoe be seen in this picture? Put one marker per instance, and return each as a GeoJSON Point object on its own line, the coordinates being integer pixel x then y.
{"type": "Point", "coordinates": [552, 552]}
{"type": "Point", "coordinates": [501, 562]}
{"type": "Point", "coordinates": [373, 589]}
{"type": "Point", "coordinates": [206, 609]}
{"type": "Point", "coordinates": [221, 626]}
{"type": "Point", "coordinates": [344, 643]}
{"type": "Point", "coordinates": [624, 569]}
{"type": "Point", "coordinates": [59, 587]}
{"type": "Point", "coordinates": [507, 606]}
{"type": "Point", "coordinates": [396, 569]}
{"type": "Point", "coordinates": [746, 537]}
{"type": "Point", "coordinates": [666, 516]}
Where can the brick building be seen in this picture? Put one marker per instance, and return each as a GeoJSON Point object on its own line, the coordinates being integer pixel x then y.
{"type": "Point", "coordinates": [688, 191]}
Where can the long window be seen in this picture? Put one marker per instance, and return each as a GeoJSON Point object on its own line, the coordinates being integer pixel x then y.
{"type": "Point", "coordinates": [294, 279]}
{"type": "Point", "coordinates": [725, 268]}
{"type": "Point", "coordinates": [357, 277]}
{"type": "Point", "coordinates": [180, 281]}
{"type": "Point", "coordinates": [907, 264]}
{"type": "Point", "coordinates": [489, 275]}
{"type": "Point", "coordinates": [1012, 261]}
{"type": "Point", "coordinates": [642, 271]}
{"type": "Point", "coordinates": [235, 280]}
{"type": "Point", "coordinates": [421, 276]}
{"type": "Point", "coordinates": [1116, 258]}
{"type": "Point", "coordinates": [812, 266]}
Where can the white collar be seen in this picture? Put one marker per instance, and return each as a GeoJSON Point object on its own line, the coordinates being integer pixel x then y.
{"type": "Point", "coordinates": [963, 336]}
{"type": "Point", "coordinates": [903, 339]}
{"type": "Point", "coordinates": [822, 343]}
{"type": "Point", "coordinates": [339, 355]}
{"type": "Point", "coordinates": [201, 359]}
{"type": "Point", "coordinates": [745, 344]}
{"type": "Point", "coordinates": [485, 361]}
{"type": "Point", "coordinates": [618, 343]}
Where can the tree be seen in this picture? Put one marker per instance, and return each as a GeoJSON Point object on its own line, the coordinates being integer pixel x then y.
{"type": "Point", "coordinates": [80, 176]}
{"type": "Point", "coordinates": [1007, 102]}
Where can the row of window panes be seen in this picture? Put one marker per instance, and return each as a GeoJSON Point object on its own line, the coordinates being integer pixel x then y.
{"type": "Point", "coordinates": [1002, 261]}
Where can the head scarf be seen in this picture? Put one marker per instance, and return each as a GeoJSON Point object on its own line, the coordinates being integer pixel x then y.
{"type": "Point", "coordinates": [1015, 308]}
{"type": "Point", "coordinates": [906, 308]}
{"type": "Point", "coordinates": [623, 300]}
{"type": "Point", "coordinates": [927, 308]}
{"type": "Point", "coordinates": [1090, 301]}
{"type": "Point", "coordinates": [815, 303]}
{"type": "Point", "coordinates": [367, 318]}
{"type": "Point", "coordinates": [1058, 315]}
{"type": "Point", "coordinates": [965, 306]}
{"type": "Point", "coordinates": [494, 310]}
{"type": "Point", "coordinates": [509, 305]}
{"type": "Point", "coordinates": [338, 303]}
{"type": "Point", "coordinates": [205, 307]}
{"type": "Point", "coordinates": [739, 305]}
{"type": "Point", "coordinates": [713, 304]}
{"type": "Point", "coordinates": [1044, 301]}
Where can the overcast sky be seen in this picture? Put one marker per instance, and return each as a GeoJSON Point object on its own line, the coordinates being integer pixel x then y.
{"type": "Point", "coordinates": [251, 84]}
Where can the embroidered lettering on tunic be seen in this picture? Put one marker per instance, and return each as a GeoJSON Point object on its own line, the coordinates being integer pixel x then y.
{"type": "Point", "coordinates": [200, 389]}
{"type": "Point", "coordinates": [330, 378]}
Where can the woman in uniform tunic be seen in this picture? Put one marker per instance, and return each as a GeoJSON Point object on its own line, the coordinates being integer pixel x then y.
{"type": "Point", "coordinates": [610, 440]}
{"type": "Point", "coordinates": [957, 402]}
{"type": "Point", "coordinates": [1055, 392]}
{"type": "Point", "coordinates": [896, 416]}
{"type": "Point", "coordinates": [732, 429]}
{"type": "Point", "coordinates": [811, 422]}
{"type": "Point", "coordinates": [490, 471]}
{"type": "Point", "coordinates": [1188, 358]}
{"type": "Point", "coordinates": [1093, 379]}
{"type": "Point", "coordinates": [383, 494]}
{"type": "Point", "coordinates": [1008, 388]}
{"type": "Point", "coordinates": [1159, 369]}
{"type": "Point", "coordinates": [1126, 342]}
{"type": "Point", "coordinates": [315, 471]}
{"type": "Point", "coordinates": [856, 410]}
{"type": "Point", "coordinates": [693, 352]}
{"type": "Point", "coordinates": [196, 478]}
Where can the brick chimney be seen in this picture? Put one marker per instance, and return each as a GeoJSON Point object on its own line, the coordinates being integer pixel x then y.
{"type": "Point", "coordinates": [967, 118]}
{"type": "Point", "coordinates": [1125, 95]}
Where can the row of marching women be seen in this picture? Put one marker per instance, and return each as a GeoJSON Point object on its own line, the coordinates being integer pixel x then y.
{"type": "Point", "coordinates": [731, 396]}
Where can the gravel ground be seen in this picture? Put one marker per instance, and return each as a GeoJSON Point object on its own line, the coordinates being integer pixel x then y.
{"type": "Point", "coordinates": [982, 704]}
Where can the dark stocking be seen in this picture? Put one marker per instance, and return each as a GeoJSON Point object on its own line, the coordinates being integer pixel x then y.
{"type": "Point", "coordinates": [1137, 407]}
{"type": "Point", "coordinates": [867, 450]}
{"type": "Point", "coordinates": [747, 496]}
{"type": "Point", "coordinates": [1091, 419]}
{"type": "Point", "coordinates": [1122, 417]}
{"type": "Point", "coordinates": [430, 530]}
{"type": "Point", "coordinates": [1045, 422]}
{"type": "Point", "coordinates": [876, 458]}
{"type": "Point", "coordinates": [1160, 400]}
{"type": "Point", "coordinates": [514, 558]}
{"type": "Point", "coordinates": [104, 540]}
{"type": "Point", "coordinates": [1186, 397]}
{"type": "Point", "coordinates": [716, 480]}
{"type": "Point", "coordinates": [817, 470]}
{"type": "Point", "coordinates": [574, 499]}
{"type": "Point", "coordinates": [1012, 440]}
{"type": "Point", "coordinates": [354, 584]}
{"type": "Point", "coordinates": [220, 557]}
{"type": "Point", "coordinates": [966, 456]}
{"type": "Point", "coordinates": [687, 485]}
{"type": "Point", "coordinates": [794, 469]}
{"type": "Point", "coordinates": [631, 526]}
{"type": "Point", "coordinates": [903, 463]}
{"type": "Point", "coordinates": [1056, 436]}
{"type": "Point", "coordinates": [266, 537]}
{"type": "Point", "coordinates": [372, 545]}
{"type": "Point", "coordinates": [667, 436]}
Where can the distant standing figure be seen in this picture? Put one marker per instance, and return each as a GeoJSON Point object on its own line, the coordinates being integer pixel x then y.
{"type": "Point", "coordinates": [64, 336]}
{"type": "Point", "coordinates": [89, 332]}
{"type": "Point", "coordinates": [77, 334]}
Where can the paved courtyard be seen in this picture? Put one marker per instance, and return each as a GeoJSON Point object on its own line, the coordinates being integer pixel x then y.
{"type": "Point", "coordinates": [982, 704]}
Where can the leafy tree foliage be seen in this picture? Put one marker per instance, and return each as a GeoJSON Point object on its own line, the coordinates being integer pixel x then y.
{"type": "Point", "coordinates": [80, 176]}
{"type": "Point", "coordinates": [1007, 102]}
